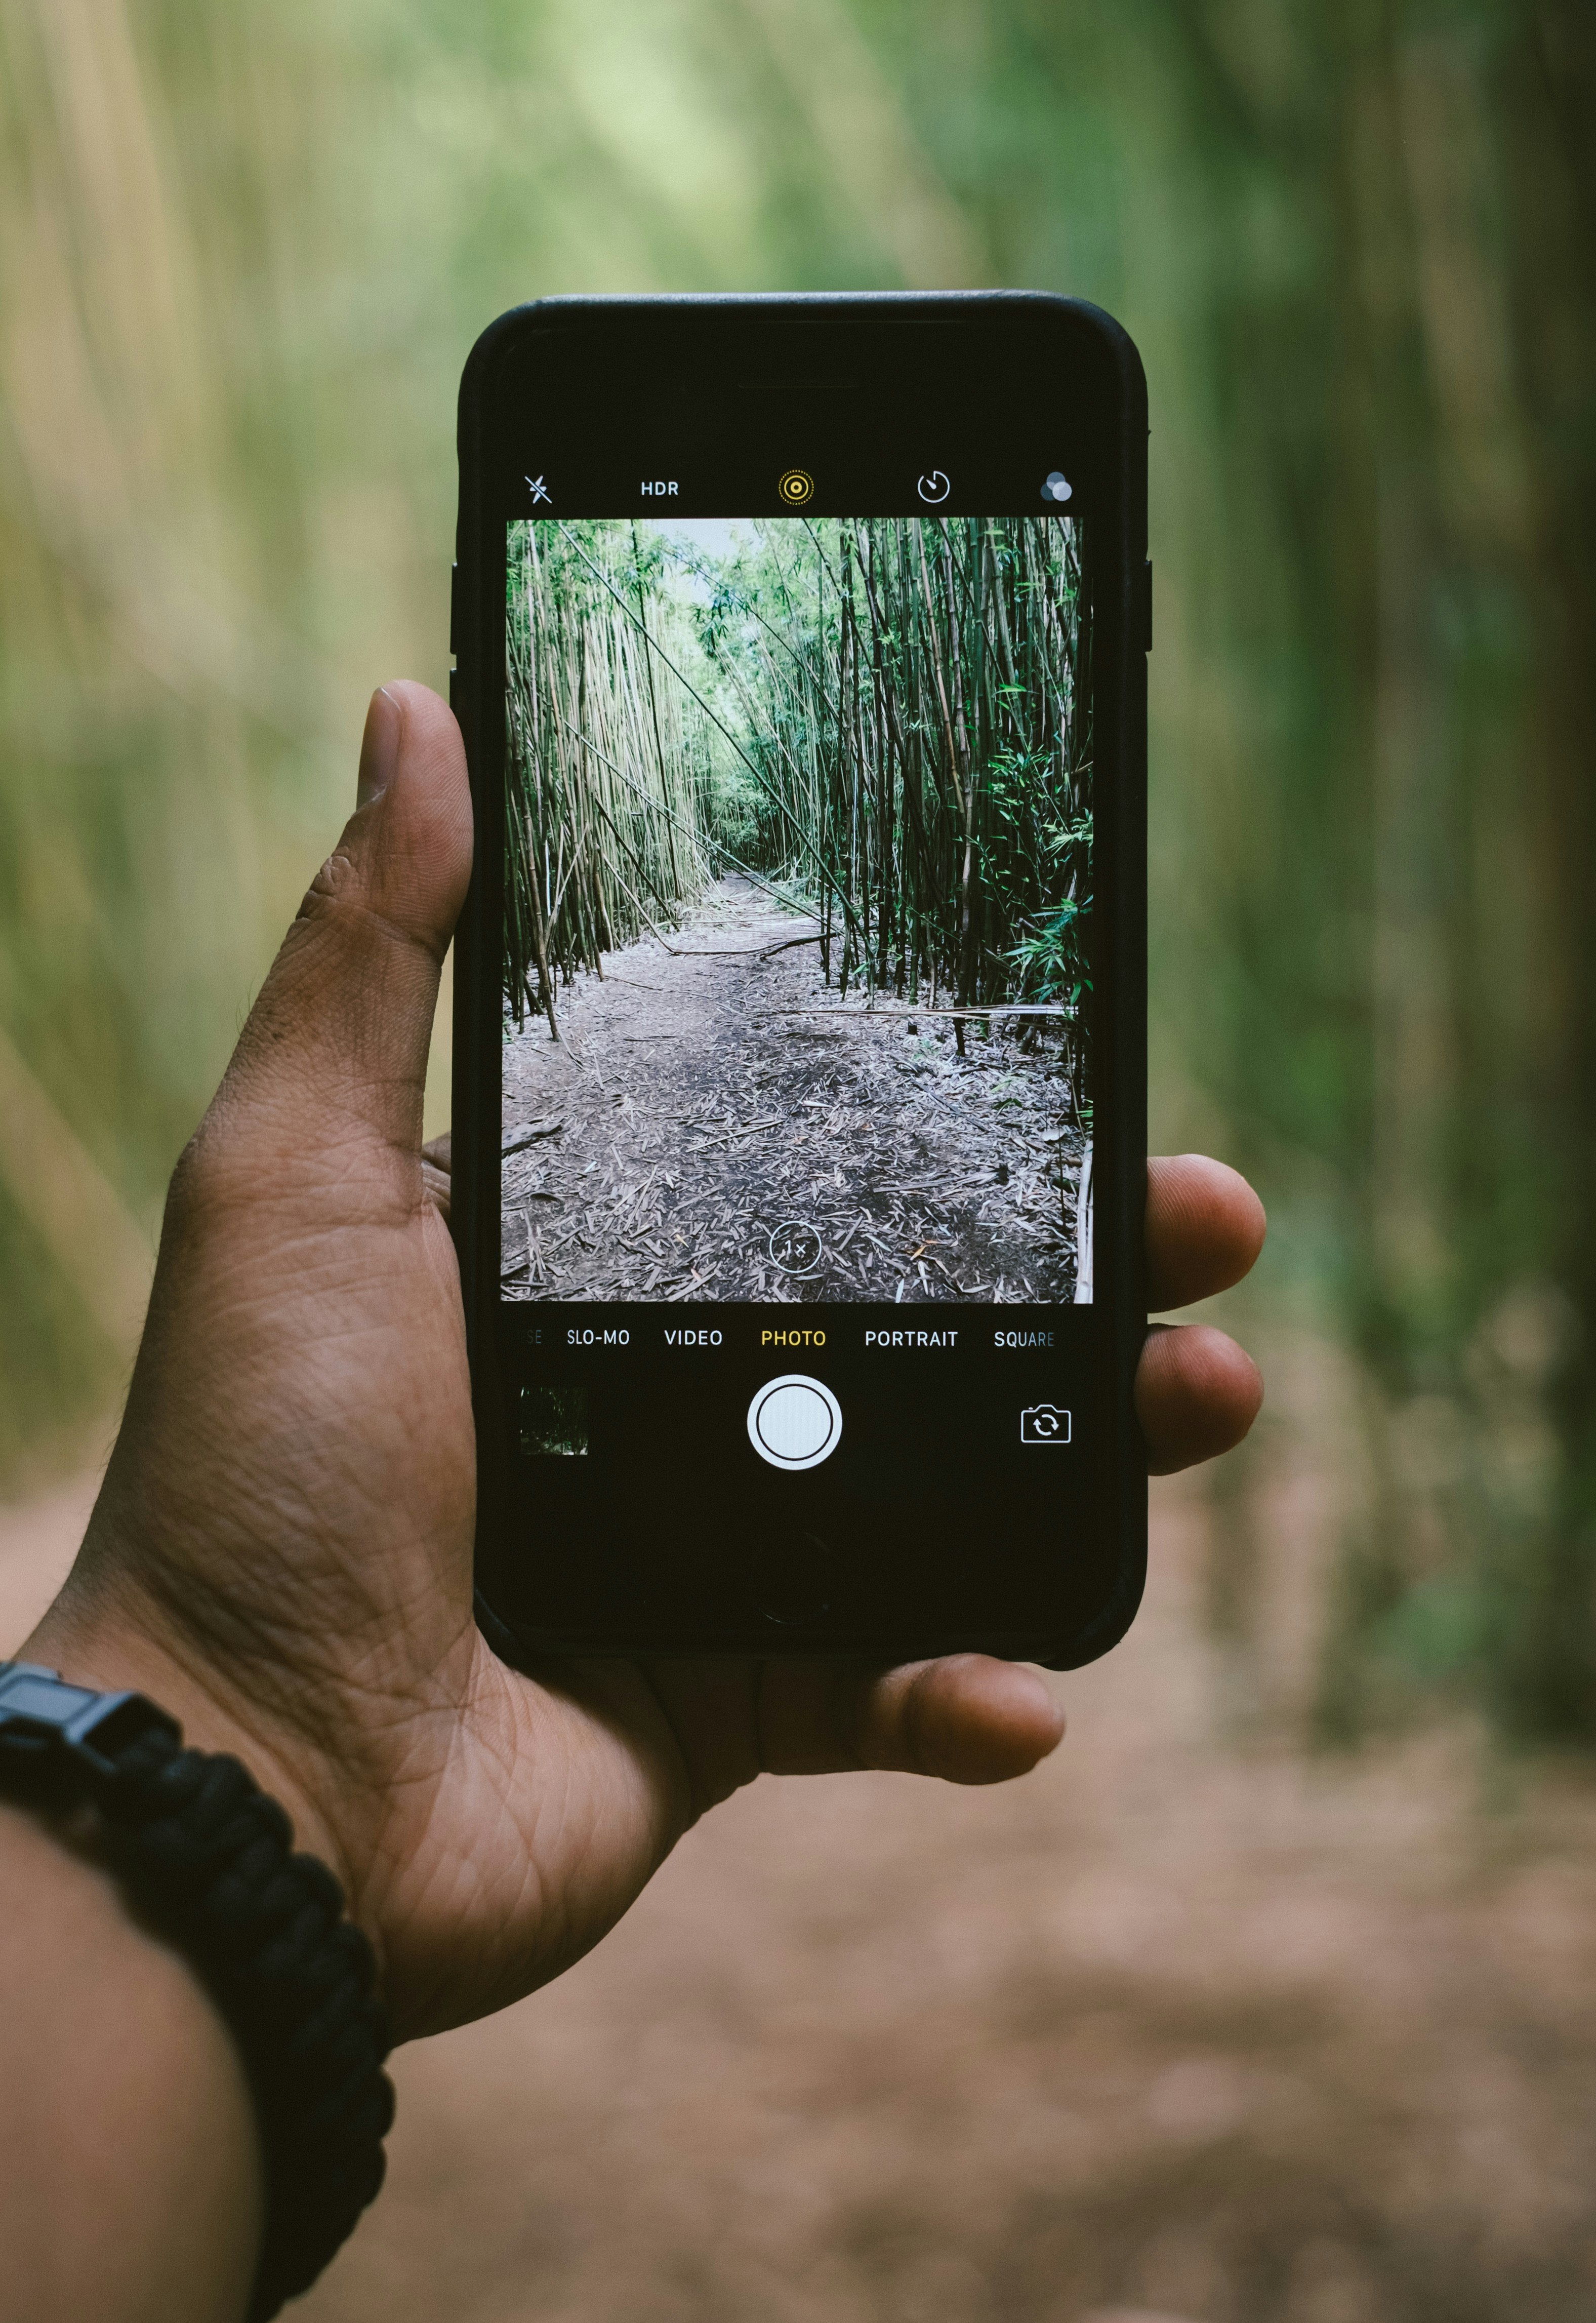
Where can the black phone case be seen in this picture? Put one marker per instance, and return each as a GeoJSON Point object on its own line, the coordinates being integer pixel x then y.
{"type": "Point", "coordinates": [1123, 637]}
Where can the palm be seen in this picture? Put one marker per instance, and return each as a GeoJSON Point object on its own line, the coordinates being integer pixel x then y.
{"type": "Point", "coordinates": [296, 1507]}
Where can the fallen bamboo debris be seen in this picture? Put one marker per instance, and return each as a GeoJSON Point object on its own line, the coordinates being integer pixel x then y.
{"type": "Point", "coordinates": [845, 1012]}
{"type": "Point", "coordinates": [517, 1140]}
{"type": "Point", "coordinates": [729, 1118]}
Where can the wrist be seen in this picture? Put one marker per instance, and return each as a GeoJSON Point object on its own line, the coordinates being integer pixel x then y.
{"type": "Point", "coordinates": [131, 2179]}
{"type": "Point", "coordinates": [111, 1653]}
{"type": "Point", "coordinates": [205, 1859]}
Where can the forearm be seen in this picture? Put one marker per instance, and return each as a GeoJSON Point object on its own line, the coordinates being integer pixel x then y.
{"type": "Point", "coordinates": [130, 2174]}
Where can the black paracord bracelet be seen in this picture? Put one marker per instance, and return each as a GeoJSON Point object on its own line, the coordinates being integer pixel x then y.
{"type": "Point", "coordinates": [206, 1859]}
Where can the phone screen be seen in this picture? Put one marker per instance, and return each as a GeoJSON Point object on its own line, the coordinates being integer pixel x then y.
{"type": "Point", "coordinates": [813, 854]}
{"type": "Point", "coordinates": [797, 972]}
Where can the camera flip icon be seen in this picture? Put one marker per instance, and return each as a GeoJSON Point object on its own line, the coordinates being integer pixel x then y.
{"type": "Point", "coordinates": [1044, 1423]}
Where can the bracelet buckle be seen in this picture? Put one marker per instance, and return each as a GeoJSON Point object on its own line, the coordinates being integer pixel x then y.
{"type": "Point", "coordinates": [56, 1739]}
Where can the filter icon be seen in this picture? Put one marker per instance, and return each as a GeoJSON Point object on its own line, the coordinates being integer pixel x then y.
{"type": "Point", "coordinates": [1057, 487]}
{"type": "Point", "coordinates": [796, 487]}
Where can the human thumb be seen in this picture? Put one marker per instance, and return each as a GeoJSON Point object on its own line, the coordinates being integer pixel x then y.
{"type": "Point", "coordinates": [333, 1055]}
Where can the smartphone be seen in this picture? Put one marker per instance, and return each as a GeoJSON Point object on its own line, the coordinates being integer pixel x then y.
{"type": "Point", "coordinates": [800, 1047]}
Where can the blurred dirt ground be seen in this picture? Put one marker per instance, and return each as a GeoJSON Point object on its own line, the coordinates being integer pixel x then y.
{"type": "Point", "coordinates": [1179, 2027]}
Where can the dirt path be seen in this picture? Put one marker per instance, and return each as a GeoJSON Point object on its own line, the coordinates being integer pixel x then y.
{"type": "Point", "coordinates": [715, 1123]}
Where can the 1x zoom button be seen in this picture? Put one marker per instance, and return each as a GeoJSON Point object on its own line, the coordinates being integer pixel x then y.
{"type": "Point", "coordinates": [795, 1421]}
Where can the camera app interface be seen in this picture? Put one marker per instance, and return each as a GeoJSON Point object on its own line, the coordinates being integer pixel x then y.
{"type": "Point", "coordinates": [797, 913]}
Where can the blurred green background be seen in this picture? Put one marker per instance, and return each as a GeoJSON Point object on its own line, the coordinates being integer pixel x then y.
{"type": "Point", "coordinates": [243, 252]}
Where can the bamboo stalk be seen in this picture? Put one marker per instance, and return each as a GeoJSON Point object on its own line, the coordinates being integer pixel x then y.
{"type": "Point", "coordinates": [886, 730]}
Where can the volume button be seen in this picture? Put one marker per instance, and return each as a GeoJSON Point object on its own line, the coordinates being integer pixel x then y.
{"type": "Point", "coordinates": [453, 609]}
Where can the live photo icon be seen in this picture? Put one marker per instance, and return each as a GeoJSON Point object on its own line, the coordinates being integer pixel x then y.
{"type": "Point", "coordinates": [1044, 1423]}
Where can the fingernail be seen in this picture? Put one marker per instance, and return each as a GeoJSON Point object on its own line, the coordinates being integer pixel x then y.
{"type": "Point", "coordinates": [378, 748]}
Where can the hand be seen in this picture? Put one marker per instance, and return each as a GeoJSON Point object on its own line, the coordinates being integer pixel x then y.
{"type": "Point", "coordinates": [281, 1552]}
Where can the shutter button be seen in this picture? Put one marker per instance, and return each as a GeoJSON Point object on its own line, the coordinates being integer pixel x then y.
{"type": "Point", "coordinates": [795, 1421]}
